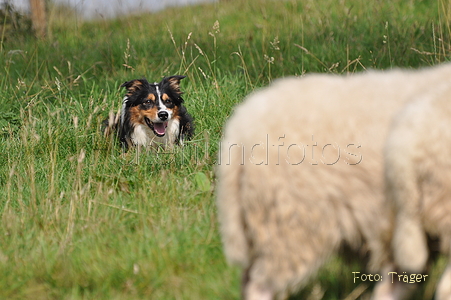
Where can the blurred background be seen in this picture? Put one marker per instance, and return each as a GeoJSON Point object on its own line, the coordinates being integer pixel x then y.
{"type": "Point", "coordinates": [89, 9]}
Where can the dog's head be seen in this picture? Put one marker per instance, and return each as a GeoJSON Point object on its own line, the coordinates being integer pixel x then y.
{"type": "Point", "coordinates": [153, 104]}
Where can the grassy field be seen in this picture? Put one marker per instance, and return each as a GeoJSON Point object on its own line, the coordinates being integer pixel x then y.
{"type": "Point", "coordinates": [81, 221]}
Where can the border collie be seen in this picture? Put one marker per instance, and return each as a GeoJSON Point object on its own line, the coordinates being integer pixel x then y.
{"type": "Point", "coordinates": [152, 115]}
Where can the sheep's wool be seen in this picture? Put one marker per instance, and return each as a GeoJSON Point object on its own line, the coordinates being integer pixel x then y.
{"type": "Point", "coordinates": [300, 174]}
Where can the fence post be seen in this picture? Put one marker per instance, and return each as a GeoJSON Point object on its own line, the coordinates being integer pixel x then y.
{"type": "Point", "coordinates": [38, 17]}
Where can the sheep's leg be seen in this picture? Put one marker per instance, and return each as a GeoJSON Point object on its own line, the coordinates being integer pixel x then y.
{"type": "Point", "coordinates": [252, 290]}
{"type": "Point", "coordinates": [444, 286]}
{"type": "Point", "coordinates": [391, 290]}
{"type": "Point", "coordinates": [384, 291]}
{"type": "Point", "coordinates": [410, 244]}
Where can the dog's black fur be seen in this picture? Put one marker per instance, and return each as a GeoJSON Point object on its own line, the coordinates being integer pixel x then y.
{"type": "Point", "coordinates": [152, 115]}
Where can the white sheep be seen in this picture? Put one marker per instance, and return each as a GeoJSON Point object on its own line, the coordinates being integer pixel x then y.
{"type": "Point", "coordinates": [418, 177]}
{"type": "Point", "coordinates": [300, 175]}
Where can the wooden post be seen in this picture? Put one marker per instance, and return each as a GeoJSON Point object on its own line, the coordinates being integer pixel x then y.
{"type": "Point", "coordinates": [38, 17]}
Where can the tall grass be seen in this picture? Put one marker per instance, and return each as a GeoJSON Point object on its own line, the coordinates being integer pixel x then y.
{"type": "Point", "coordinates": [82, 221]}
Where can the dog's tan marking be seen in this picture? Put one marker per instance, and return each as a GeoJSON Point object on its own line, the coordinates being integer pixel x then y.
{"type": "Point", "coordinates": [150, 113]}
{"type": "Point", "coordinates": [151, 97]}
{"type": "Point", "coordinates": [175, 112]}
{"type": "Point", "coordinates": [165, 97]}
{"type": "Point", "coordinates": [135, 115]}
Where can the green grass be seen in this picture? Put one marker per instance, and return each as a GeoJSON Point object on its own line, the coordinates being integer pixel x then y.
{"type": "Point", "coordinates": [82, 221]}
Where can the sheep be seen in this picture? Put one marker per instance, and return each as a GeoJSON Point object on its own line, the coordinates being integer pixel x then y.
{"type": "Point", "coordinates": [418, 178]}
{"type": "Point", "coordinates": [300, 176]}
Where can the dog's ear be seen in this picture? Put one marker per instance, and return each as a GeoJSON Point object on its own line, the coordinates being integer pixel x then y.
{"type": "Point", "coordinates": [133, 85]}
{"type": "Point", "coordinates": [174, 83]}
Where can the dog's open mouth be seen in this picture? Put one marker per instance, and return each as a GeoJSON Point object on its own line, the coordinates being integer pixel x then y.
{"type": "Point", "coordinates": [158, 128]}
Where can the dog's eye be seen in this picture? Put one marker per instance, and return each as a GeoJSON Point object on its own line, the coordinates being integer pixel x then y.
{"type": "Point", "coordinates": [148, 102]}
{"type": "Point", "coordinates": [167, 102]}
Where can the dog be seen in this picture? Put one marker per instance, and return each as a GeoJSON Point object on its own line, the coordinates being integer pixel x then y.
{"type": "Point", "coordinates": [152, 115]}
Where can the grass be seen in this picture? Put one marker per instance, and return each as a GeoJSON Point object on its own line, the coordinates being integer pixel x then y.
{"type": "Point", "coordinates": [80, 220]}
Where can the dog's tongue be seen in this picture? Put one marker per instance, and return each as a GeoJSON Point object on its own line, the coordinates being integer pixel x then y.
{"type": "Point", "coordinates": [160, 128]}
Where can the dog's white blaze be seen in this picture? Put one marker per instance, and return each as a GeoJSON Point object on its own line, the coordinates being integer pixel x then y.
{"type": "Point", "coordinates": [160, 104]}
{"type": "Point", "coordinates": [158, 94]}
